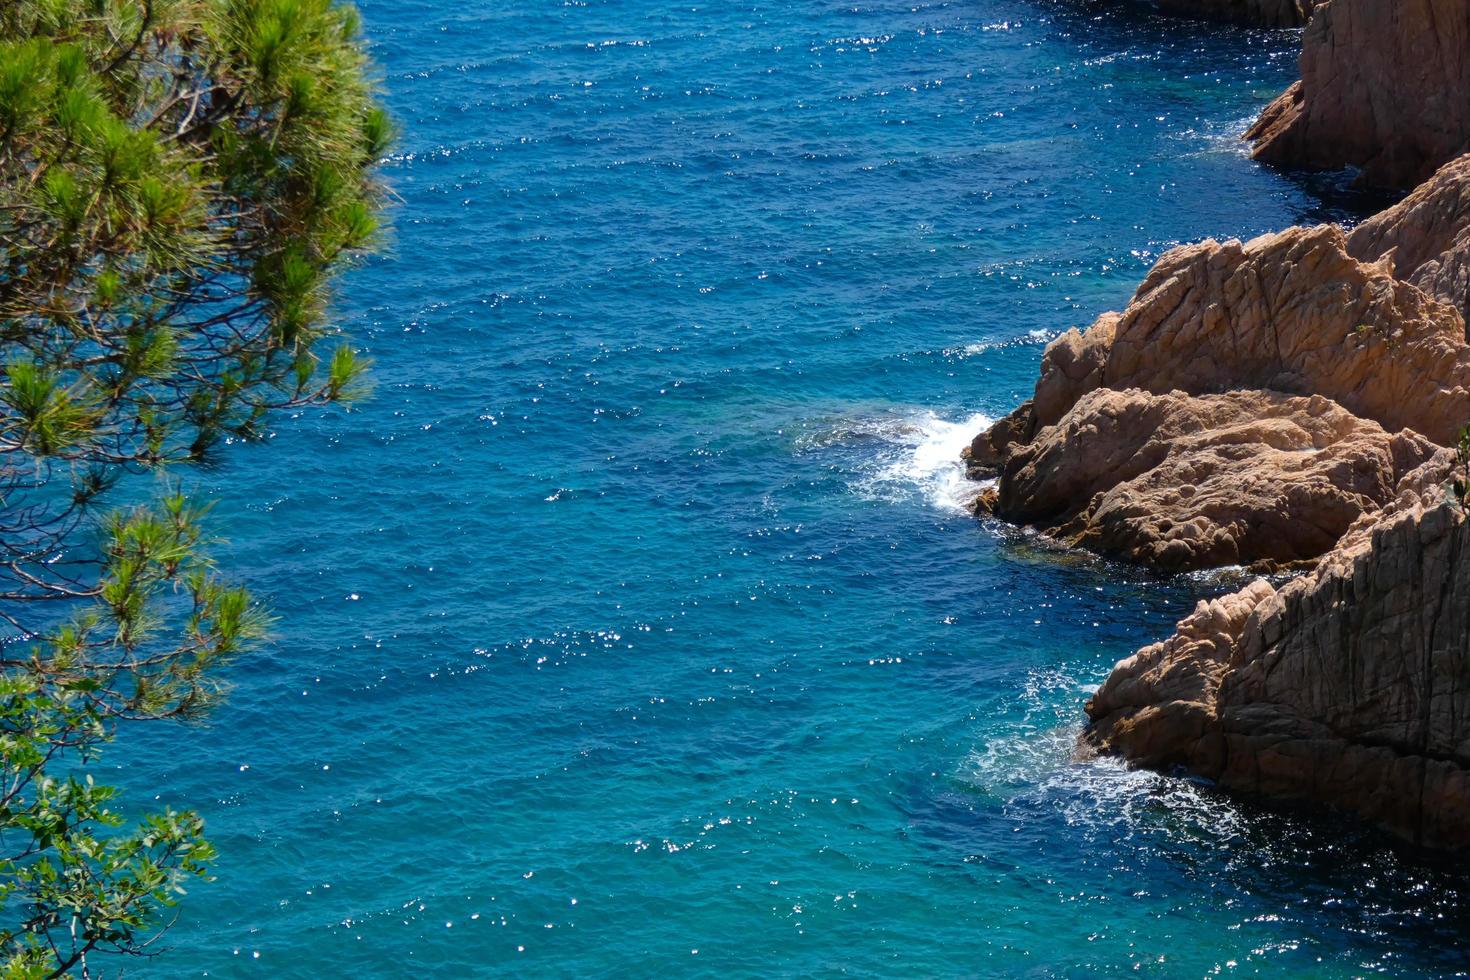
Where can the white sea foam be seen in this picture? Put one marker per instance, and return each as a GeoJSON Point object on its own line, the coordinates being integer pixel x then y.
{"type": "Point", "coordinates": [1035, 766]}
{"type": "Point", "coordinates": [919, 456]}
{"type": "Point", "coordinates": [1216, 136]}
{"type": "Point", "coordinates": [1030, 338]}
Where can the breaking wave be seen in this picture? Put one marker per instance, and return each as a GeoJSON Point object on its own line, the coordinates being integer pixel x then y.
{"type": "Point", "coordinates": [905, 457]}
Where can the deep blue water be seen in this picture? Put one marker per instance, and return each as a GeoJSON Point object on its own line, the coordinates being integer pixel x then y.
{"type": "Point", "coordinates": [632, 625]}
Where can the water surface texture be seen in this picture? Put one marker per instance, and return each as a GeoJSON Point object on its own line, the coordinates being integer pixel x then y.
{"type": "Point", "coordinates": [634, 626]}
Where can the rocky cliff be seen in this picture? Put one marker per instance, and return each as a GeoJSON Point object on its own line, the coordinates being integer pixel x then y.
{"type": "Point", "coordinates": [1288, 403]}
{"type": "Point", "coordinates": [1348, 687]}
{"type": "Point", "coordinates": [1384, 88]}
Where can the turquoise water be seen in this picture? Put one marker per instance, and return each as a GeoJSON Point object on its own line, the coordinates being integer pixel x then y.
{"type": "Point", "coordinates": [633, 625]}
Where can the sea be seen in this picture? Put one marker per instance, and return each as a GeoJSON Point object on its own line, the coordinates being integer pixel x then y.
{"type": "Point", "coordinates": [635, 625]}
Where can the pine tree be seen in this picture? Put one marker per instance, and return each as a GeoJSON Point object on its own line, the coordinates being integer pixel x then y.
{"type": "Point", "coordinates": [179, 182]}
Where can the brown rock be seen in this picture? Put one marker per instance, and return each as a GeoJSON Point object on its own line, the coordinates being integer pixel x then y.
{"type": "Point", "coordinates": [990, 448]}
{"type": "Point", "coordinates": [1178, 482]}
{"type": "Point", "coordinates": [1261, 402]}
{"type": "Point", "coordinates": [1427, 235]}
{"type": "Point", "coordinates": [1349, 686]}
{"type": "Point", "coordinates": [1385, 87]}
{"type": "Point", "coordinates": [1291, 312]}
{"type": "Point", "coordinates": [1129, 448]}
{"type": "Point", "coordinates": [1073, 365]}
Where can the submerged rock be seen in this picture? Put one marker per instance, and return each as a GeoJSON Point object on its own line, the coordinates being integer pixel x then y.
{"type": "Point", "coordinates": [1384, 88]}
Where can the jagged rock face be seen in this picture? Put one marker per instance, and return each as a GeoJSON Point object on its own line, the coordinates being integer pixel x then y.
{"type": "Point", "coordinates": [1427, 235]}
{"type": "Point", "coordinates": [1266, 13]}
{"type": "Point", "coordinates": [1385, 87]}
{"type": "Point", "coordinates": [1178, 482]}
{"type": "Point", "coordinates": [1291, 312]}
{"type": "Point", "coordinates": [1349, 686]}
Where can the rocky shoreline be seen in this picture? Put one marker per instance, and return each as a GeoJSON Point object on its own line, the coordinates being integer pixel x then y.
{"type": "Point", "coordinates": [1292, 403]}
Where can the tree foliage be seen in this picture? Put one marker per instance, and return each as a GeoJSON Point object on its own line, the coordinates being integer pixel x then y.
{"type": "Point", "coordinates": [179, 181]}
